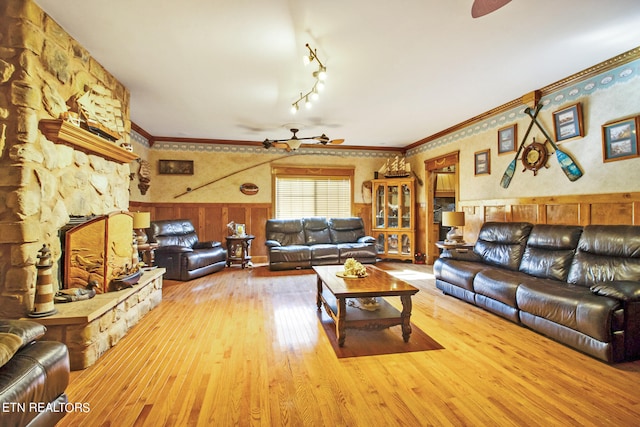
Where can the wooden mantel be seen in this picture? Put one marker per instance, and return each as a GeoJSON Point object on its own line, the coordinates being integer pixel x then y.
{"type": "Point", "coordinates": [62, 132]}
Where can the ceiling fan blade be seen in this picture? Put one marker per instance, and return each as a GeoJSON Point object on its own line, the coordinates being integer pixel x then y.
{"type": "Point", "coordinates": [280, 145]}
{"type": "Point", "coordinates": [336, 141]}
{"type": "Point", "coordinates": [484, 7]}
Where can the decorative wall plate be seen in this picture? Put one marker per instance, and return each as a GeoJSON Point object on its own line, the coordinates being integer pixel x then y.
{"type": "Point", "coordinates": [249, 189]}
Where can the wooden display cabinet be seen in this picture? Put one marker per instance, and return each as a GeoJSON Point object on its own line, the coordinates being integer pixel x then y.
{"type": "Point", "coordinates": [393, 213]}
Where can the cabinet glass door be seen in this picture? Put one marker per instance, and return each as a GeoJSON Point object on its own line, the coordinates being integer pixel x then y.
{"type": "Point", "coordinates": [392, 243]}
{"type": "Point", "coordinates": [406, 206]}
{"type": "Point", "coordinates": [392, 206]}
{"type": "Point", "coordinates": [380, 246]}
{"type": "Point", "coordinates": [406, 245]}
{"type": "Point", "coordinates": [379, 206]}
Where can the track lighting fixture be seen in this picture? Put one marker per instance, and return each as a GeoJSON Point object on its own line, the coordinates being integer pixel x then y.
{"type": "Point", "coordinates": [320, 75]}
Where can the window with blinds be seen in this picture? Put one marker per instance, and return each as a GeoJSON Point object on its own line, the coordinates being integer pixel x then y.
{"type": "Point", "coordinates": [324, 196]}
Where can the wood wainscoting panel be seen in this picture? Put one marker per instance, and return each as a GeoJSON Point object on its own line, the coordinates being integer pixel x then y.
{"type": "Point", "coordinates": [606, 209]}
{"type": "Point", "coordinates": [495, 213]}
{"type": "Point", "coordinates": [613, 213]}
{"type": "Point", "coordinates": [566, 214]}
{"type": "Point", "coordinates": [524, 213]}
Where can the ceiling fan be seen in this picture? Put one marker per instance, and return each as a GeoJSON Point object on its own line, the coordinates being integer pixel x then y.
{"type": "Point", "coordinates": [294, 142]}
{"type": "Point", "coordinates": [484, 7]}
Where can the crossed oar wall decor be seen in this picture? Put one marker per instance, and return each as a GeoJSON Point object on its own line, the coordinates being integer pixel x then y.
{"type": "Point", "coordinates": [568, 165]}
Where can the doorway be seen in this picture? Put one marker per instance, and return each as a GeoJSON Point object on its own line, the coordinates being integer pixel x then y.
{"type": "Point", "coordinates": [441, 175]}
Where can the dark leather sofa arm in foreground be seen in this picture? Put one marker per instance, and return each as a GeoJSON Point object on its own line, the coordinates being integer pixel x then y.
{"type": "Point", "coordinates": [181, 253]}
{"type": "Point", "coordinates": [305, 242]}
{"type": "Point", "coordinates": [33, 377]}
{"type": "Point", "coordinates": [577, 285]}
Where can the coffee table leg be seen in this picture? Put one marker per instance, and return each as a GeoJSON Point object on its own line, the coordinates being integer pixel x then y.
{"type": "Point", "coordinates": [406, 317]}
{"type": "Point", "coordinates": [340, 329]}
{"type": "Point", "coordinates": [319, 295]}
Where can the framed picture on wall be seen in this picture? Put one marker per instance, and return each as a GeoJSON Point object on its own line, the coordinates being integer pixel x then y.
{"type": "Point", "coordinates": [507, 139]}
{"type": "Point", "coordinates": [620, 139]}
{"type": "Point", "coordinates": [482, 162]}
{"type": "Point", "coordinates": [567, 123]}
{"type": "Point", "coordinates": [175, 167]}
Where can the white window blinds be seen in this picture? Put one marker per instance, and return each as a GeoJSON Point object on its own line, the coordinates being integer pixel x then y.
{"type": "Point", "coordinates": [298, 197]}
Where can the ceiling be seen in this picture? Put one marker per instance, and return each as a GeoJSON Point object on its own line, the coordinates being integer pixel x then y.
{"type": "Point", "coordinates": [398, 70]}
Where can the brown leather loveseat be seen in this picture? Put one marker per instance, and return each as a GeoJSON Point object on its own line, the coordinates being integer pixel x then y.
{"type": "Point", "coordinates": [181, 253]}
{"type": "Point", "coordinates": [577, 285]}
{"type": "Point", "coordinates": [33, 376]}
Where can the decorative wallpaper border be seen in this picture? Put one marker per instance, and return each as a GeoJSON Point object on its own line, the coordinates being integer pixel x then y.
{"type": "Point", "coordinates": [250, 149]}
{"type": "Point", "coordinates": [603, 81]}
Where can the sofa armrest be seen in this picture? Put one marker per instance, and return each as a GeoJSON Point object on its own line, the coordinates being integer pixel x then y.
{"type": "Point", "coordinates": [207, 245]}
{"type": "Point", "coordinates": [272, 243]}
{"type": "Point", "coordinates": [173, 249]}
{"type": "Point", "coordinates": [622, 290]}
{"type": "Point", "coordinates": [27, 330]}
{"type": "Point", "coordinates": [366, 239]}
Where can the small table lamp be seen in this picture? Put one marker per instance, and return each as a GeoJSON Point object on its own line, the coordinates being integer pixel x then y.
{"type": "Point", "coordinates": [141, 220]}
{"type": "Point", "coordinates": [453, 220]}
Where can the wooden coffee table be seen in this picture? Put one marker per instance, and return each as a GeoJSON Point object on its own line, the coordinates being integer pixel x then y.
{"type": "Point", "coordinates": [334, 291]}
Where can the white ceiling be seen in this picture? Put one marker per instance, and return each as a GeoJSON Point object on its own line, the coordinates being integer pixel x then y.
{"type": "Point", "coordinates": [399, 70]}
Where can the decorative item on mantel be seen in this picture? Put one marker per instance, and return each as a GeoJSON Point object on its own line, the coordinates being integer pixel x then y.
{"type": "Point", "coordinates": [43, 304]}
{"type": "Point", "coordinates": [396, 168]}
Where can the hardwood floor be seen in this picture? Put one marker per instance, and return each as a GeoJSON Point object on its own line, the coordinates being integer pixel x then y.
{"type": "Point", "coordinates": [246, 347]}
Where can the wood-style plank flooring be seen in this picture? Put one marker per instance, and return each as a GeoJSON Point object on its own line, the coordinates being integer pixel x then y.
{"type": "Point", "coordinates": [246, 347]}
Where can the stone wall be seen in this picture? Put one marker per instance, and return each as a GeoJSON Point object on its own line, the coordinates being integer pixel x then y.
{"type": "Point", "coordinates": [42, 72]}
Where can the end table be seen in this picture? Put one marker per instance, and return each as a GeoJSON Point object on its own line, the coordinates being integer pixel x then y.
{"type": "Point", "coordinates": [238, 249]}
{"type": "Point", "coordinates": [147, 253]}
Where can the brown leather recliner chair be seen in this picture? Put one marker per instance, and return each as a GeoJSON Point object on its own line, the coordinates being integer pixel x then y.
{"type": "Point", "coordinates": [181, 253]}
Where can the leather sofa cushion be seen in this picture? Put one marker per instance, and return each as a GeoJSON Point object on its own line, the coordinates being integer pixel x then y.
{"type": "Point", "coordinates": [498, 284]}
{"type": "Point", "coordinates": [324, 253]}
{"type": "Point", "coordinates": [346, 230]}
{"type": "Point", "coordinates": [550, 250]}
{"type": "Point", "coordinates": [606, 253]}
{"type": "Point", "coordinates": [502, 243]}
{"type": "Point", "coordinates": [291, 253]}
{"type": "Point", "coordinates": [174, 232]}
{"type": "Point", "coordinates": [572, 306]}
{"type": "Point", "coordinates": [457, 272]}
{"type": "Point", "coordinates": [357, 250]}
{"type": "Point", "coordinates": [204, 257]}
{"type": "Point", "coordinates": [286, 231]}
{"type": "Point", "coordinates": [316, 231]}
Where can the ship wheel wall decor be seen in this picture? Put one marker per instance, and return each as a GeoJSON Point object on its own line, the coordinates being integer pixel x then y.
{"type": "Point", "coordinates": [535, 156]}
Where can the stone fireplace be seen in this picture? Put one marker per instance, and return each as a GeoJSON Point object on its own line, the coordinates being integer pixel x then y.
{"type": "Point", "coordinates": [50, 170]}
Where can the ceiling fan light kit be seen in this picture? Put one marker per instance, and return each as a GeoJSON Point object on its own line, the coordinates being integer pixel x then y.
{"type": "Point", "coordinates": [320, 75]}
{"type": "Point", "coordinates": [295, 142]}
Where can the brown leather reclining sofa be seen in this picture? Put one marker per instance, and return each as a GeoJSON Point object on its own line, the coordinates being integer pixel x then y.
{"type": "Point", "coordinates": [33, 377]}
{"type": "Point", "coordinates": [577, 285]}
{"type": "Point", "coordinates": [304, 242]}
{"type": "Point", "coordinates": [181, 253]}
